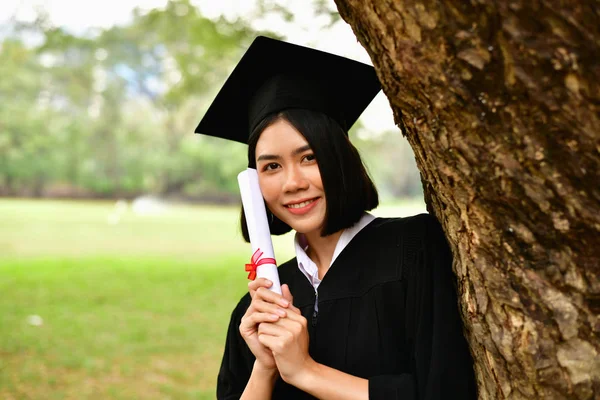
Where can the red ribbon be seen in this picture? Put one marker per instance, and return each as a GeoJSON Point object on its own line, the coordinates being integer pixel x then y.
{"type": "Point", "coordinates": [255, 261]}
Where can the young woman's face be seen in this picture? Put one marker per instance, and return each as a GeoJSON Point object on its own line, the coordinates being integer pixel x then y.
{"type": "Point", "coordinates": [289, 178]}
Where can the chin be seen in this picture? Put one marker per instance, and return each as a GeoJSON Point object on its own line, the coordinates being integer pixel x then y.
{"type": "Point", "coordinates": [303, 225]}
{"type": "Point", "coordinates": [307, 228]}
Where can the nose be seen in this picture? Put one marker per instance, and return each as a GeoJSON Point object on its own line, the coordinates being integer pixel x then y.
{"type": "Point", "coordinates": [295, 180]}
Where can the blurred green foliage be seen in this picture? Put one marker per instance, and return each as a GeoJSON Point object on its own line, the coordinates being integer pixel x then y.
{"type": "Point", "coordinates": [110, 112]}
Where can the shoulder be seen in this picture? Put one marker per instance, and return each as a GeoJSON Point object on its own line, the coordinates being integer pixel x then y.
{"type": "Point", "coordinates": [287, 270]}
{"type": "Point", "coordinates": [409, 236]}
{"type": "Point", "coordinates": [422, 219]}
{"type": "Point", "coordinates": [289, 264]}
{"type": "Point", "coordinates": [417, 226]}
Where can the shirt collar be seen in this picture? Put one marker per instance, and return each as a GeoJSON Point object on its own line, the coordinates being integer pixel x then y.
{"type": "Point", "coordinates": [308, 267]}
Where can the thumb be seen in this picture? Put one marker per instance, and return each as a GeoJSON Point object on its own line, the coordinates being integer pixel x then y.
{"type": "Point", "coordinates": [285, 292]}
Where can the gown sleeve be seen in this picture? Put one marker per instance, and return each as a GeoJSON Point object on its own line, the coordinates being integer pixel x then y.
{"type": "Point", "coordinates": [441, 364]}
{"type": "Point", "coordinates": [238, 360]}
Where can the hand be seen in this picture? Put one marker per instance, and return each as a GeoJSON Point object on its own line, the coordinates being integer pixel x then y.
{"type": "Point", "coordinates": [254, 285]}
{"type": "Point", "coordinates": [287, 338]}
{"type": "Point", "coordinates": [266, 306]}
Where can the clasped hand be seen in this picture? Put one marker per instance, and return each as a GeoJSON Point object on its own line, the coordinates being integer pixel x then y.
{"type": "Point", "coordinates": [275, 331]}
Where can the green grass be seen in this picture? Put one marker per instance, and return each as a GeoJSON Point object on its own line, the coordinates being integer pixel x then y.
{"type": "Point", "coordinates": [133, 305]}
{"type": "Point", "coordinates": [74, 229]}
{"type": "Point", "coordinates": [113, 328]}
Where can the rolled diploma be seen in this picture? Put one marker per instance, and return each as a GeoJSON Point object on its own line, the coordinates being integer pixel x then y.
{"type": "Point", "coordinates": [258, 226]}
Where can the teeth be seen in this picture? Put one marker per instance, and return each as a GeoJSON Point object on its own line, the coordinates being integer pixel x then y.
{"type": "Point", "coordinates": [300, 205]}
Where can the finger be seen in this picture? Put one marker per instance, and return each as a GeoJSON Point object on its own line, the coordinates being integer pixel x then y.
{"type": "Point", "coordinates": [259, 306]}
{"type": "Point", "coordinates": [271, 297]}
{"type": "Point", "coordinates": [257, 283]}
{"type": "Point", "coordinates": [273, 329]}
{"type": "Point", "coordinates": [285, 292]}
{"type": "Point", "coordinates": [250, 322]}
{"type": "Point", "coordinates": [287, 324]}
{"type": "Point", "coordinates": [293, 322]}
{"type": "Point", "coordinates": [262, 306]}
{"type": "Point", "coordinates": [271, 342]}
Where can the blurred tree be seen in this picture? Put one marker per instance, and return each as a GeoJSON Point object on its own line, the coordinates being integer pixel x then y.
{"type": "Point", "coordinates": [171, 60]}
{"type": "Point", "coordinates": [110, 112]}
{"type": "Point", "coordinates": [391, 163]}
{"type": "Point", "coordinates": [501, 104]}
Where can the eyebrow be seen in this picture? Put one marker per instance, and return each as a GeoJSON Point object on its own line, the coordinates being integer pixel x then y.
{"type": "Point", "coordinates": [269, 157]}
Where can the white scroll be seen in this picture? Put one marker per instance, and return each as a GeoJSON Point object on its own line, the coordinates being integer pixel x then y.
{"type": "Point", "coordinates": [258, 227]}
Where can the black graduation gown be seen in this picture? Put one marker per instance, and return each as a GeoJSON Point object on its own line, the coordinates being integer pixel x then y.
{"type": "Point", "coordinates": [387, 312]}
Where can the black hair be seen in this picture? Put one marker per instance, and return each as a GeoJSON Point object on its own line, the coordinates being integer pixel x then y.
{"type": "Point", "coordinates": [349, 190]}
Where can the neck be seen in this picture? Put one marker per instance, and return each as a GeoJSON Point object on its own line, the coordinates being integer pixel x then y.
{"type": "Point", "coordinates": [320, 249]}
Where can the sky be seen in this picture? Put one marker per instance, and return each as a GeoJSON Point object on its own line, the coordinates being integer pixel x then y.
{"type": "Point", "coordinates": [81, 15]}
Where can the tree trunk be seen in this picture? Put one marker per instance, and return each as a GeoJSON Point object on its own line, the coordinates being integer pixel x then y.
{"type": "Point", "coordinates": [500, 102]}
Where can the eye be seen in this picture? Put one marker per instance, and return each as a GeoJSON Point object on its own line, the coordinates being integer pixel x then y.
{"type": "Point", "coordinates": [309, 157]}
{"type": "Point", "coordinates": [270, 166]}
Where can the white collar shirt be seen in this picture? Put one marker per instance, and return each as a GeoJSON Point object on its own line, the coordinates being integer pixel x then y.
{"type": "Point", "coordinates": [308, 267]}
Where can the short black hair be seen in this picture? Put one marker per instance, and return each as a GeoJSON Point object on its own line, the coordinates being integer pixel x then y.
{"type": "Point", "coordinates": [349, 191]}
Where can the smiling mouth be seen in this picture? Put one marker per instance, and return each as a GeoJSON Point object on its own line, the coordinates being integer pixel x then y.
{"type": "Point", "coordinates": [300, 205]}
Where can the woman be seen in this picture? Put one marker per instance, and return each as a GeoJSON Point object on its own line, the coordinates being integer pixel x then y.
{"type": "Point", "coordinates": [368, 309]}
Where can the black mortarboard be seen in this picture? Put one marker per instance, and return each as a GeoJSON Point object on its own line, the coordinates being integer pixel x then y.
{"type": "Point", "coordinates": [274, 75]}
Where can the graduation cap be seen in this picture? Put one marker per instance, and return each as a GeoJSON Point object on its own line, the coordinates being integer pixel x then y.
{"type": "Point", "coordinates": [274, 75]}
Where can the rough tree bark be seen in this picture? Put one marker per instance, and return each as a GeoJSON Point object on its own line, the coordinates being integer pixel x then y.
{"type": "Point", "coordinates": [500, 101]}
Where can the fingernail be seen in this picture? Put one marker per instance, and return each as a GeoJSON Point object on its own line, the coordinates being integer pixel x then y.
{"type": "Point", "coordinates": [268, 282]}
{"type": "Point", "coordinates": [281, 312]}
{"type": "Point", "coordinates": [274, 317]}
{"type": "Point", "coordinates": [284, 302]}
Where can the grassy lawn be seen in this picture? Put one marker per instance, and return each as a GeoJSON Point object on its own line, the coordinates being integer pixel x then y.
{"type": "Point", "coordinates": [33, 228]}
{"type": "Point", "coordinates": [100, 300]}
{"type": "Point", "coordinates": [114, 327]}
